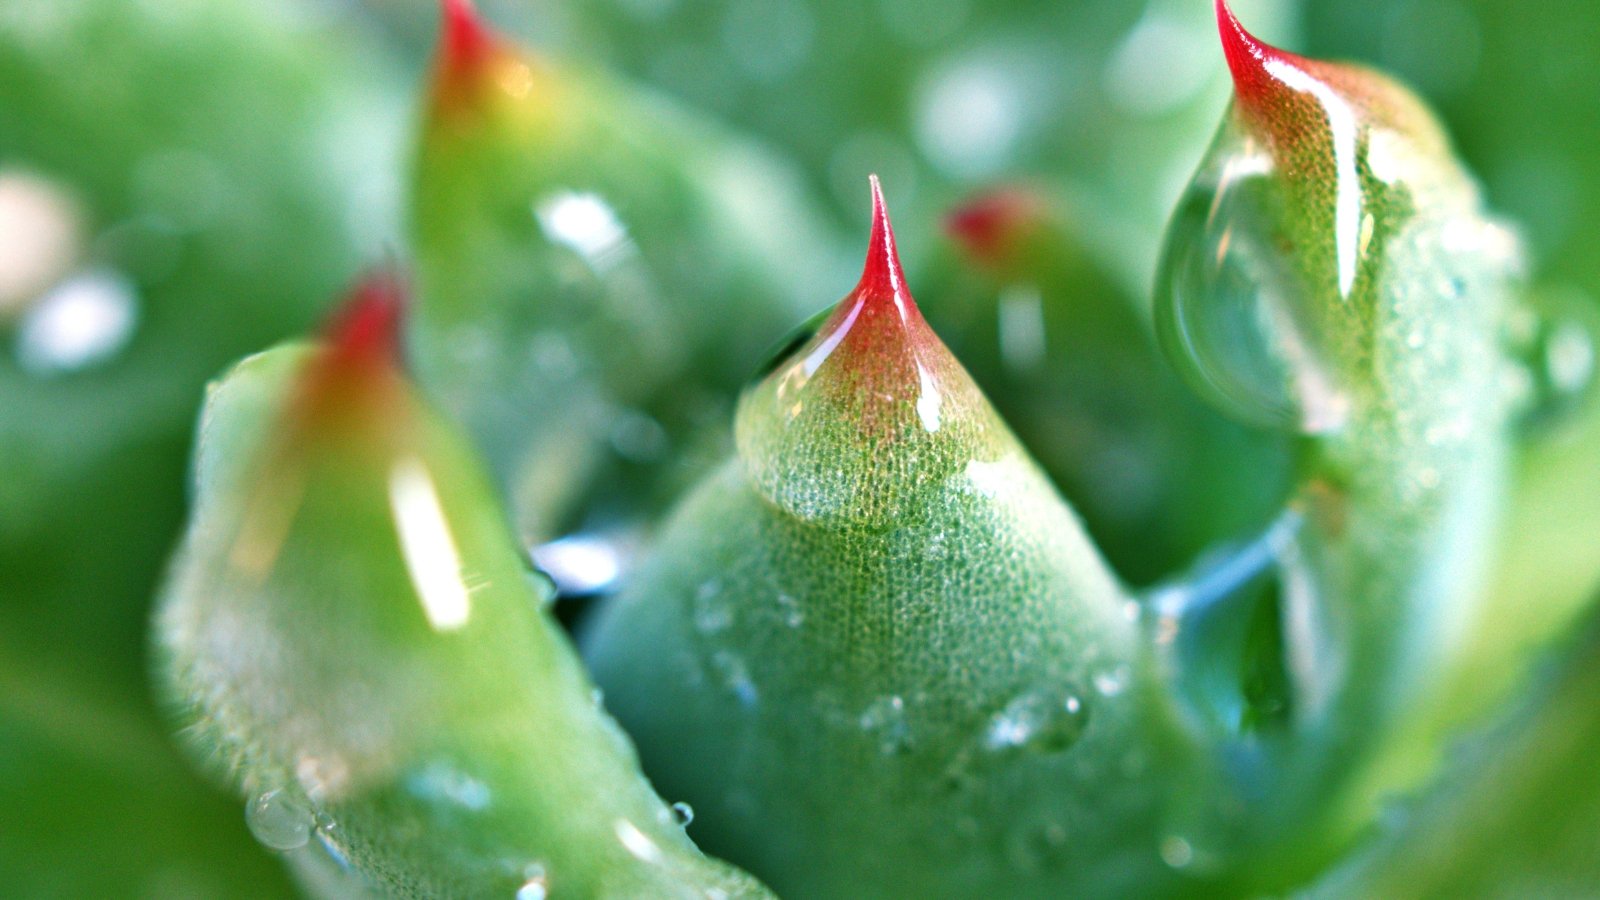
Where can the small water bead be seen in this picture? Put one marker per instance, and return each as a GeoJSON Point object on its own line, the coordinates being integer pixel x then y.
{"type": "Point", "coordinates": [790, 609]}
{"type": "Point", "coordinates": [1227, 299]}
{"type": "Point", "coordinates": [280, 820]}
{"type": "Point", "coordinates": [1111, 682]}
{"type": "Point", "coordinates": [1177, 852]}
{"type": "Point", "coordinates": [732, 673]}
{"type": "Point", "coordinates": [1045, 721]}
{"type": "Point", "coordinates": [1558, 359]}
{"type": "Point", "coordinates": [682, 814]}
{"type": "Point", "coordinates": [536, 884]}
{"type": "Point", "coordinates": [886, 718]}
{"type": "Point", "coordinates": [713, 612]}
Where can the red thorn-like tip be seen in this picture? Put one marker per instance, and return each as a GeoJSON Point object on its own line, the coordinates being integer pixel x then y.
{"type": "Point", "coordinates": [465, 40]}
{"type": "Point", "coordinates": [365, 330]}
{"type": "Point", "coordinates": [1250, 59]}
{"type": "Point", "coordinates": [990, 226]}
{"type": "Point", "coordinates": [882, 274]}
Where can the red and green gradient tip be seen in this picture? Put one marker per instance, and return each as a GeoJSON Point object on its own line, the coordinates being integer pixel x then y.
{"type": "Point", "coordinates": [474, 62]}
{"type": "Point", "coordinates": [995, 228]}
{"type": "Point", "coordinates": [1290, 98]}
{"type": "Point", "coordinates": [877, 327]}
{"type": "Point", "coordinates": [359, 364]}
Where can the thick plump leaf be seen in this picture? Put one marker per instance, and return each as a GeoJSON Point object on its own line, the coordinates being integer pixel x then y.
{"type": "Point", "coordinates": [1332, 272]}
{"type": "Point", "coordinates": [598, 271]}
{"type": "Point", "coordinates": [176, 183]}
{"type": "Point", "coordinates": [1069, 359]}
{"type": "Point", "coordinates": [353, 642]}
{"type": "Point", "coordinates": [918, 675]}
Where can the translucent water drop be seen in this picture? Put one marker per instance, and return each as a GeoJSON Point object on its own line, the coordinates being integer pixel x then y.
{"type": "Point", "coordinates": [536, 883]}
{"type": "Point", "coordinates": [280, 820]}
{"type": "Point", "coordinates": [1111, 682]}
{"type": "Point", "coordinates": [682, 814]}
{"type": "Point", "coordinates": [1045, 721]}
{"type": "Point", "coordinates": [734, 675]}
{"type": "Point", "coordinates": [789, 608]}
{"type": "Point", "coordinates": [886, 719]}
{"type": "Point", "coordinates": [1229, 299]}
{"type": "Point", "coordinates": [1558, 357]}
{"type": "Point", "coordinates": [1177, 852]}
{"type": "Point", "coordinates": [712, 611]}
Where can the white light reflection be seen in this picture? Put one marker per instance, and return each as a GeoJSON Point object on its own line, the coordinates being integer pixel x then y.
{"type": "Point", "coordinates": [83, 321]}
{"type": "Point", "coordinates": [583, 222]}
{"type": "Point", "coordinates": [429, 549]}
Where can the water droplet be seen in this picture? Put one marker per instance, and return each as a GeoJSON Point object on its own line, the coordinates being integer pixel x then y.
{"type": "Point", "coordinates": [1046, 721]}
{"type": "Point", "coordinates": [1559, 359]}
{"type": "Point", "coordinates": [536, 883]}
{"type": "Point", "coordinates": [734, 675]}
{"type": "Point", "coordinates": [712, 611]}
{"type": "Point", "coordinates": [683, 814]}
{"type": "Point", "coordinates": [1111, 682]}
{"type": "Point", "coordinates": [83, 321]}
{"type": "Point", "coordinates": [280, 820]}
{"type": "Point", "coordinates": [794, 615]}
{"type": "Point", "coordinates": [886, 718]}
{"type": "Point", "coordinates": [1177, 852]}
{"type": "Point", "coordinates": [1228, 299]}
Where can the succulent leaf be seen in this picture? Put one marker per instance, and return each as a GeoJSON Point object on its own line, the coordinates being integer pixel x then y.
{"type": "Point", "coordinates": [352, 640]}
{"type": "Point", "coordinates": [880, 610]}
{"type": "Point", "coordinates": [589, 254]}
{"type": "Point", "coordinates": [1333, 273]}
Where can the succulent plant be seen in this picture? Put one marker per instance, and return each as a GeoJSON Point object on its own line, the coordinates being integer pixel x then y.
{"type": "Point", "coordinates": [1277, 581]}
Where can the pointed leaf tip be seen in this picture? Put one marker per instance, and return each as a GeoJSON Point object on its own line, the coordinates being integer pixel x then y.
{"type": "Point", "coordinates": [465, 39]}
{"type": "Point", "coordinates": [882, 276]}
{"type": "Point", "coordinates": [1247, 55]}
{"type": "Point", "coordinates": [365, 330]}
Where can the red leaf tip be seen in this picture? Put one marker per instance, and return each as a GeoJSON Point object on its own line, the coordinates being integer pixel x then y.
{"type": "Point", "coordinates": [1249, 58]}
{"type": "Point", "coordinates": [365, 330]}
{"type": "Point", "coordinates": [465, 40]}
{"type": "Point", "coordinates": [990, 226]}
{"type": "Point", "coordinates": [882, 275]}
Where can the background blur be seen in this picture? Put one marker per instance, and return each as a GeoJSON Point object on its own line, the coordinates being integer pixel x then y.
{"type": "Point", "coordinates": [183, 182]}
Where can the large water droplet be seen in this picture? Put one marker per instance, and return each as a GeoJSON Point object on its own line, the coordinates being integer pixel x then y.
{"type": "Point", "coordinates": [1228, 294]}
{"type": "Point", "coordinates": [280, 820]}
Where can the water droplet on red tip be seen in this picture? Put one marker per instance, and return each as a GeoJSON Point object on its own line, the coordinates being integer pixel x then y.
{"type": "Point", "coordinates": [365, 330]}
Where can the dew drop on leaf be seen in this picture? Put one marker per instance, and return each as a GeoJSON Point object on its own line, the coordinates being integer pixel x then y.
{"type": "Point", "coordinates": [682, 814]}
{"type": "Point", "coordinates": [1044, 721]}
{"type": "Point", "coordinates": [536, 884]}
{"type": "Point", "coordinates": [886, 719]}
{"type": "Point", "coordinates": [1226, 297]}
{"type": "Point", "coordinates": [279, 820]}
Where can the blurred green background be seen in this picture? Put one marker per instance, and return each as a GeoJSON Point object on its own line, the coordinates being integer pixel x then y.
{"type": "Point", "coordinates": [183, 182]}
